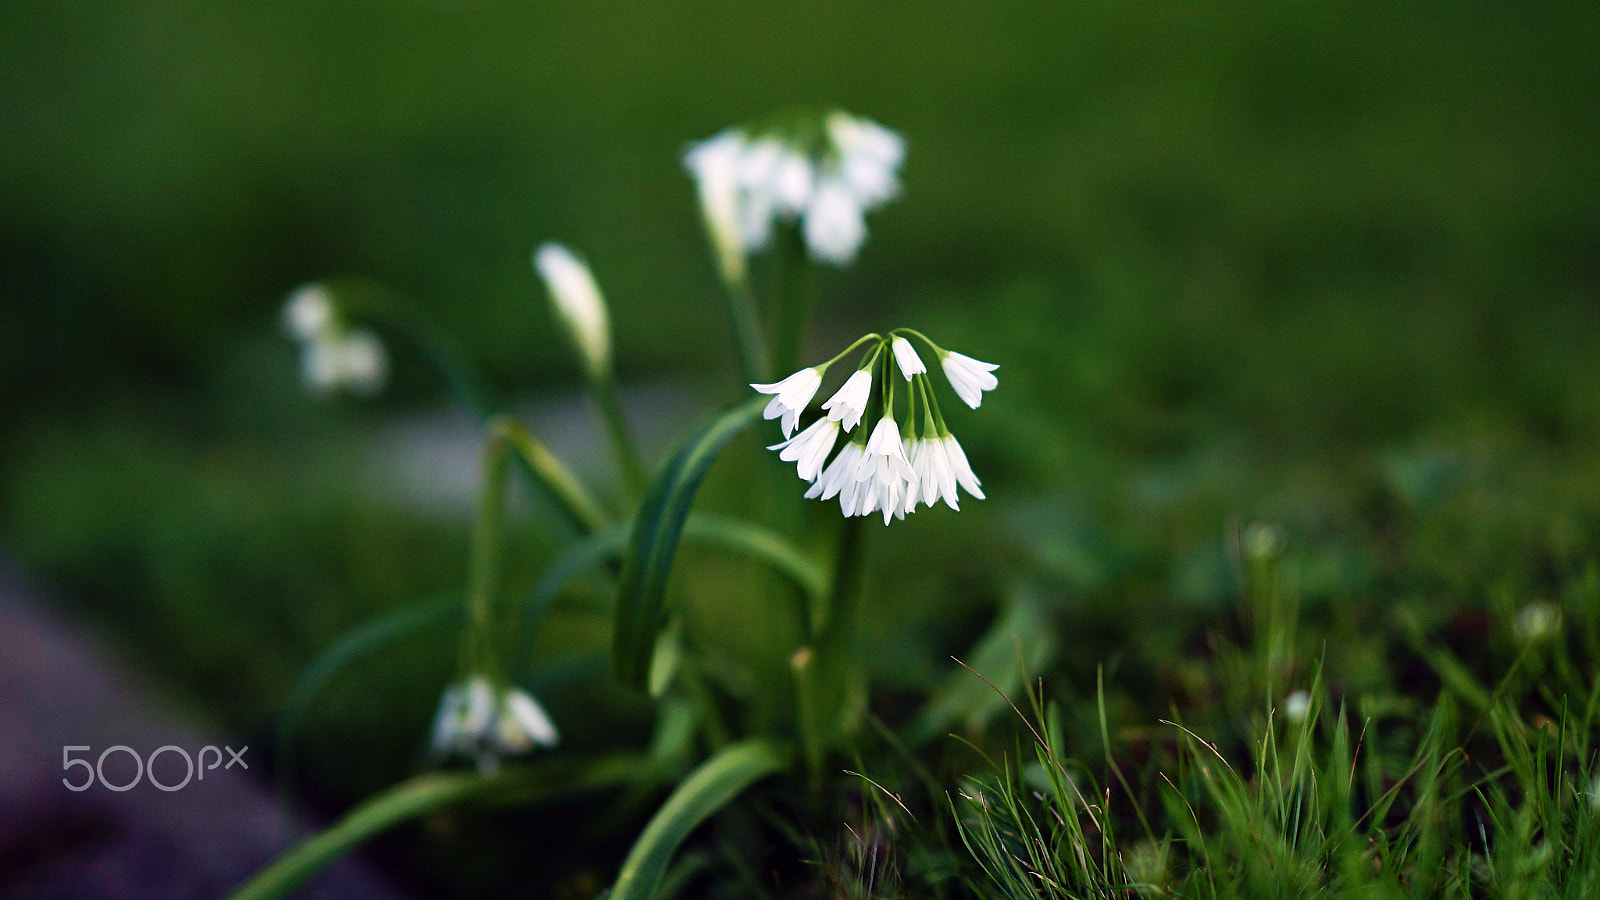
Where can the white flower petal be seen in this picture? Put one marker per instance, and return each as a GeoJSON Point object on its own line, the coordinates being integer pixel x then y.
{"type": "Point", "coordinates": [906, 356]}
{"type": "Point", "coordinates": [791, 395]}
{"type": "Point", "coordinates": [850, 401]}
{"type": "Point", "coordinates": [959, 467]}
{"type": "Point", "coordinates": [969, 377]}
{"type": "Point", "coordinates": [809, 448]}
{"type": "Point", "coordinates": [528, 719]}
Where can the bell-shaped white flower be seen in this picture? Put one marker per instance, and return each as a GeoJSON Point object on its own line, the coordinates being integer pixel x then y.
{"type": "Point", "coordinates": [810, 448]}
{"type": "Point", "coordinates": [906, 355]}
{"type": "Point", "coordinates": [934, 475]}
{"type": "Point", "coordinates": [970, 377]}
{"type": "Point", "coordinates": [839, 474]}
{"type": "Point", "coordinates": [578, 304]}
{"type": "Point", "coordinates": [956, 459]}
{"type": "Point", "coordinates": [850, 401]}
{"type": "Point", "coordinates": [791, 395]}
{"type": "Point", "coordinates": [884, 471]}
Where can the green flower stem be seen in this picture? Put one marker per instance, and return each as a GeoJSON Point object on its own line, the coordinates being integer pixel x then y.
{"type": "Point", "coordinates": [479, 653]}
{"type": "Point", "coordinates": [938, 351]}
{"type": "Point", "coordinates": [754, 357]}
{"type": "Point", "coordinates": [793, 306]}
{"type": "Point", "coordinates": [605, 396]}
{"type": "Point", "coordinates": [550, 473]}
{"type": "Point", "coordinates": [825, 673]}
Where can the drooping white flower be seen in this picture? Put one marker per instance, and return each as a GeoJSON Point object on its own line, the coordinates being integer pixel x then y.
{"type": "Point", "coordinates": [477, 722]}
{"type": "Point", "coordinates": [970, 377]}
{"type": "Point", "coordinates": [839, 474]}
{"type": "Point", "coordinates": [934, 475]}
{"type": "Point", "coordinates": [353, 361]}
{"type": "Point", "coordinates": [906, 356]}
{"type": "Point", "coordinates": [791, 395]}
{"type": "Point", "coordinates": [868, 155]}
{"type": "Point", "coordinates": [884, 471]}
{"type": "Point", "coordinates": [714, 163]}
{"type": "Point", "coordinates": [809, 448]}
{"type": "Point", "coordinates": [850, 401]}
{"type": "Point", "coordinates": [523, 723]}
{"type": "Point", "coordinates": [956, 458]}
{"type": "Point", "coordinates": [578, 304]}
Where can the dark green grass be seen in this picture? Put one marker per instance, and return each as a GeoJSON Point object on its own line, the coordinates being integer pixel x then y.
{"type": "Point", "coordinates": [1328, 268]}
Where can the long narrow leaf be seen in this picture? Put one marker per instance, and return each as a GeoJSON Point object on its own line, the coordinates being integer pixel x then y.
{"type": "Point", "coordinates": [426, 794]}
{"type": "Point", "coordinates": [654, 542]}
{"type": "Point", "coordinates": [717, 781]}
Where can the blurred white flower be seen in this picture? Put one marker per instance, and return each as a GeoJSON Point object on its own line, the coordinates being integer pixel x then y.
{"type": "Point", "coordinates": [1297, 706]}
{"type": "Point", "coordinates": [868, 156]}
{"type": "Point", "coordinates": [714, 163]}
{"type": "Point", "coordinates": [835, 225]}
{"type": "Point", "coordinates": [824, 175]}
{"type": "Point", "coordinates": [1537, 622]}
{"type": "Point", "coordinates": [352, 361]}
{"type": "Point", "coordinates": [791, 395]}
{"type": "Point", "coordinates": [333, 357]}
{"type": "Point", "coordinates": [969, 377]}
{"type": "Point", "coordinates": [578, 304]}
{"type": "Point", "coordinates": [308, 314]}
{"type": "Point", "coordinates": [476, 722]}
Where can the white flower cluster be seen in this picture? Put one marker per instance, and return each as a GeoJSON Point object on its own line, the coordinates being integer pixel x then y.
{"type": "Point", "coordinates": [474, 721]}
{"type": "Point", "coordinates": [333, 357]}
{"type": "Point", "coordinates": [897, 466]}
{"type": "Point", "coordinates": [824, 174]}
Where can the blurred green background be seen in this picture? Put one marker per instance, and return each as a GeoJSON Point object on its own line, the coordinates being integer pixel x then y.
{"type": "Point", "coordinates": [1311, 261]}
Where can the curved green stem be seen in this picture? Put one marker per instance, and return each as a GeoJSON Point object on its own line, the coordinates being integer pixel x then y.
{"type": "Point", "coordinates": [550, 473]}
{"type": "Point", "coordinates": [605, 396]}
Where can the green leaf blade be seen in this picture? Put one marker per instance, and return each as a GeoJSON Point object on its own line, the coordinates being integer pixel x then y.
{"type": "Point", "coordinates": [654, 541]}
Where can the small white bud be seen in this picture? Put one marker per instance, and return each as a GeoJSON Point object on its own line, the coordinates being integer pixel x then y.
{"type": "Point", "coordinates": [578, 305]}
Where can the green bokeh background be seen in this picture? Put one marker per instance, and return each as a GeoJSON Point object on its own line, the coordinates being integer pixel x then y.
{"type": "Point", "coordinates": [1295, 259]}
